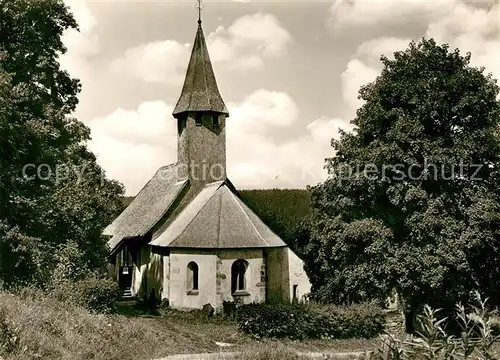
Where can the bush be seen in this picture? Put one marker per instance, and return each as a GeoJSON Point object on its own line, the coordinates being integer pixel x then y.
{"type": "Point", "coordinates": [98, 294]}
{"type": "Point", "coordinates": [278, 321]}
{"type": "Point", "coordinates": [309, 321]}
{"type": "Point", "coordinates": [93, 293]}
{"type": "Point", "coordinates": [358, 321]}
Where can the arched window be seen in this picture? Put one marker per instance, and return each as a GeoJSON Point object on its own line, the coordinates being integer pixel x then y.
{"type": "Point", "coordinates": [238, 271]}
{"type": "Point", "coordinates": [192, 276]}
{"type": "Point", "coordinates": [295, 295]}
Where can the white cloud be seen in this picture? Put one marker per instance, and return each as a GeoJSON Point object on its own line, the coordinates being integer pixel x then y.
{"type": "Point", "coordinates": [371, 51]}
{"type": "Point", "coordinates": [243, 45]}
{"type": "Point", "coordinates": [263, 31]}
{"type": "Point", "coordinates": [356, 75]}
{"type": "Point", "coordinates": [132, 144]}
{"type": "Point", "coordinates": [365, 66]}
{"type": "Point", "coordinates": [80, 44]}
{"type": "Point", "coordinates": [261, 112]}
{"type": "Point", "coordinates": [257, 160]}
{"type": "Point", "coordinates": [160, 62]}
{"type": "Point", "coordinates": [471, 30]}
{"type": "Point", "coordinates": [462, 26]}
{"type": "Point", "coordinates": [348, 14]}
{"type": "Point", "coordinates": [248, 41]}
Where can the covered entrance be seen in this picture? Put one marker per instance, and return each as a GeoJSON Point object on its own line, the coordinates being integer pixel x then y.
{"type": "Point", "coordinates": [125, 272]}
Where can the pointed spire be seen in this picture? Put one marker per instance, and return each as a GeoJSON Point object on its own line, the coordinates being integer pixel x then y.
{"type": "Point", "coordinates": [200, 91]}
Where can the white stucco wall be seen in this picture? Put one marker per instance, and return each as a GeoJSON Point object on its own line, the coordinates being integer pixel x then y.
{"type": "Point", "coordinates": [255, 288]}
{"type": "Point", "coordinates": [297, 276]}
{"type": "Point", "coordinates": [214, 282]}
{"type": "Point", "coordinates": [207, 289]}
{"type": "Point", "coordinates": [168, 275]}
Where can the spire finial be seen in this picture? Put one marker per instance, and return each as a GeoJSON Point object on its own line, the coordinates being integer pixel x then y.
{"type": "Point", "coordinates": [199, 7]}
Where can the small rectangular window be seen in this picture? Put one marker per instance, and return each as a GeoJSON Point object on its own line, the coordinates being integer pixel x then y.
{"type": "Point", "coordinates": [181, 123]}
{"type": "Point", "coordinates": [198, 118]}
{"type": "Point", "coordinates": [215, 120]}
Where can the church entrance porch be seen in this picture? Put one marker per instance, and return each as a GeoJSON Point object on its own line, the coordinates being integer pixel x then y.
{"type": "Point", "coordinates": [125, 280]}
{"type": "Point", "coordinates": [125, 269]}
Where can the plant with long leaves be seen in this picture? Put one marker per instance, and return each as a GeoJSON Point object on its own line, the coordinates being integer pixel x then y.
{"type": "Point", "coordinates": [479, 337]}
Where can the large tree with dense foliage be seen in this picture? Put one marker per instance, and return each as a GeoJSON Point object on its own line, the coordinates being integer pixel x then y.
{"type": "Point", "coordinates": [412, 201]}
{"type": "Point", "coordinates": [50, 223]}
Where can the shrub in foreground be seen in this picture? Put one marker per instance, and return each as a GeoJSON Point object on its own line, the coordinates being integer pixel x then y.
{"type": "Point", "coordinates": [309, 321]}
{"type": "Point", "coordinates": [34, 326]}
{"type": "Point", "coordinates": [93, 293]}
{"type": "Point", "coordinates": [357, 321]}
{"type": "Point", "coordinates": [479, 338]}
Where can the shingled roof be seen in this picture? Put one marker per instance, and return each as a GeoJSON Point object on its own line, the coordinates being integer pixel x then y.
{"type": "Point", "coordinates": [148, 207]}
{"type": "Point", "coordinates": [200, 91]}
{"type": "Point", "coordinates": [217, 218]}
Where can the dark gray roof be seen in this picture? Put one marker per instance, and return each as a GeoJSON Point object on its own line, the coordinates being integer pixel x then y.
{"type": "Point", "coordinates": [217, 218]}
{"type": "Point", "coordinates": [148, 207]}
{"type": "Point", "coordinates": [200, 91]}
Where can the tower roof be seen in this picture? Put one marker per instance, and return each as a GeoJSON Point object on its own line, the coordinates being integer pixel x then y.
{"type": "Point", "coordinates": [200, 91]}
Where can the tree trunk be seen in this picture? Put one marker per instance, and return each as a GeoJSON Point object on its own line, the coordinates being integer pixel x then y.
{"type": "Point", "coordinates": [410, 320]}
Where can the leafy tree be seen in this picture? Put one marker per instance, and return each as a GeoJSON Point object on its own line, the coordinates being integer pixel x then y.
{"type": "Point", "coordinates": [52, 192]}
{"type": "Point", "coordinates": [412, 198]}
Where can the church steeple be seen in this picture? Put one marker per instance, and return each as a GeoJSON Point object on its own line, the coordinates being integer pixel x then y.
{"type": "Point", "coordinates": [200, 91]}
{"type": "Point", "coordinates": [201, 120]}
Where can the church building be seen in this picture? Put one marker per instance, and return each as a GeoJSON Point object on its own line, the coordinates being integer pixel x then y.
{"type": "Point", "coordinates": [187, 236]}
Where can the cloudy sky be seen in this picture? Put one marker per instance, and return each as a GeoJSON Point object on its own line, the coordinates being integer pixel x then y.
{"type": "Point", "coordinates": [289, 72]}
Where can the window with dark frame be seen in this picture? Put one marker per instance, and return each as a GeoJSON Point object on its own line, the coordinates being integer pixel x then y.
{"type": "Point", "coordinates": [198, 118]}
{"type": "Point", "coordinates": [192, 276]}
{"type": "Point", "coordinates": [238, 271]}
{"type": "Point", "coordinates": [215, 120]}
{"type": "Point", "coordinates": [295, 291]}
{"type": "Point", "coordinates": [181, 123]}
{"type": "Point", "coordinates": [126, 257]}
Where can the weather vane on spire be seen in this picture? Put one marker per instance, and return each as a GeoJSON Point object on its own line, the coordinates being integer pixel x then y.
{"type": "Point", "coordinates": [199, 7]}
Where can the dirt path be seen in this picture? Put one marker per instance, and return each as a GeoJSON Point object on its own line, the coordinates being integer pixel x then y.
{"type": "Point", "coordinates": [233, 355]}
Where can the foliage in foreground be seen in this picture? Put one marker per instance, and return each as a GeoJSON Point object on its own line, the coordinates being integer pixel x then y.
{"type": "Point", "coordinates": [42, 328]}
{"type": "Point", "coordinates": [96, 294]}
{"type": "Point", "coordinates": [479, 337]}
{"type": "Point", "coordinates": [412, 201]}
{"type": "Point", "coordinates": [54, 197]}
{"type": "Point", "coordinates": [309, 321]}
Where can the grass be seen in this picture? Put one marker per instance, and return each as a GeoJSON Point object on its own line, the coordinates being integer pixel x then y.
{"type": "Point", "coordinates": [38, 327]}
